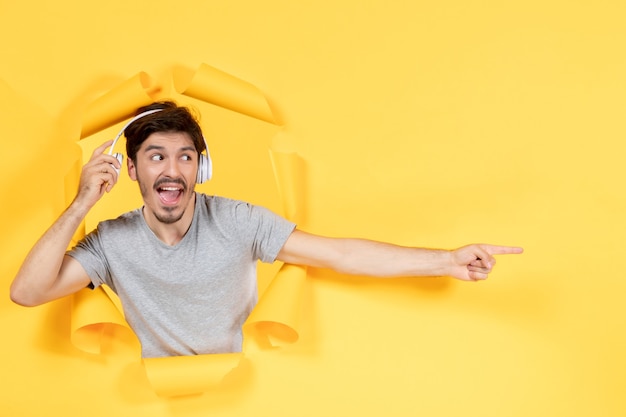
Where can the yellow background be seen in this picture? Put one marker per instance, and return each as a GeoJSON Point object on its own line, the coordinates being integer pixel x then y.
{"type": "Point", "coordinates": [422, 123]}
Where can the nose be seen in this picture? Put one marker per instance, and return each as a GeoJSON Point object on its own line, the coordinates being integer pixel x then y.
{"type": "Point", "coordinates": [172, 168]}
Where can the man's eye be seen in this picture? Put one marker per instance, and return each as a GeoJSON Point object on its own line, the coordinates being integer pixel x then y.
{"type": "Point", "coordinates": [157, 157]}
{"type": "Point", "coordinates": [186, 158]}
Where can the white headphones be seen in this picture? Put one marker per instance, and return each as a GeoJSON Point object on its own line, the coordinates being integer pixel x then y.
{"type": "Point", "coordinates": [205, 166]}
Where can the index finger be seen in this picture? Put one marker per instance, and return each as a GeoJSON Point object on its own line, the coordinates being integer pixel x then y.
{"type": "Point", "coordinates": [100, 149]}
{"type": "Point", "coordinates": [502, 250]}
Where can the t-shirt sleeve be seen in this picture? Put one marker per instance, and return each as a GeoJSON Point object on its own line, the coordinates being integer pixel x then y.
{"type": "Point", "coordinates": [88, 252]}
{"type": "Point", "coordinates": [268, 230]}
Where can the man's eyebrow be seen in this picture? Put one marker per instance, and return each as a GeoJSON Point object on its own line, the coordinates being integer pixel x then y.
{"type": "Point", "coordinates": [160, 148]}
{"type": "Point", "coordinates": [152, 147]}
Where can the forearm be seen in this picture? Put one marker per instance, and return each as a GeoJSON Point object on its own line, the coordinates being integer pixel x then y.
{"type": "Point", "coordinates": [47, 273]}
{"type": "Point", "coordinates": [364, 257]}
{"type": "Point", "coordinates": [36, 279]}
{"type": "Point", "coordinates": [379, 259]}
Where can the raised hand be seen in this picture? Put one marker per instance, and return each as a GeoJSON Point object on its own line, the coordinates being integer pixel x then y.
{"type": "Point", "coordinates": [98, 176]}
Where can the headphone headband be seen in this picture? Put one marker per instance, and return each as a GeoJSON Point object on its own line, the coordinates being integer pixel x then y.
{"type": "Point", "coordinates": [139, 116]}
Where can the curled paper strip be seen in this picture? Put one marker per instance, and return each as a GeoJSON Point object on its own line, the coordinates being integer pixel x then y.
{"type": "Point", "coordinates": [273, 320]}
{"type": "Point", "coordinates": [186, 375]}
{"type": "Point", "coordinates": [289, 173]}
{"type": "Point", "coordinates": [118, 104]}
{"type": "Point", "coordinates": [217, 87]}
{"type": "Point", "coordinates": [86, 334]}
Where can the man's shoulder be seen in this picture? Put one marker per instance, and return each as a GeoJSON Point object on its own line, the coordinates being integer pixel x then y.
{"type": "Point", "coordinates": [225, 209]}
{"type": "Point", "coordinates": [123, 221]}
{"type": "Point", "coordinates": [219, 202]}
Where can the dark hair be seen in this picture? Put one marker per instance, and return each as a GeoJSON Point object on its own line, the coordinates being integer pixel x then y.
{"type": "Point", "coordinates": [171, 118]}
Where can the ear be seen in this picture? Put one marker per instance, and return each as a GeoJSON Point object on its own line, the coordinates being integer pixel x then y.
{"type": "Point", "coordinates": [132, 170]}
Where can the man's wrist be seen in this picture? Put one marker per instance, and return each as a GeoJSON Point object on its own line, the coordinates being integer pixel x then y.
{"type": "Point", "coordinates": [78, 210]}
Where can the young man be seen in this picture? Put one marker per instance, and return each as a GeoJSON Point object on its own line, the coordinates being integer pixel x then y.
{"type": "Point", "coordinates": [184, 265]}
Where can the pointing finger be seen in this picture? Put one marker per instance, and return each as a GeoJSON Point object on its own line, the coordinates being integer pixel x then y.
{"type": "Point", "coordinates": [502, 250]}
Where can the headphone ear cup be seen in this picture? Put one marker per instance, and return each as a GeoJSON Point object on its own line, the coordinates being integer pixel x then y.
{"type": "Point", "coordinates": [199, 177]}
{"type": "Point", "coordinates": [204, 169]}
{"type": "Point", "coordinates": [205, 165]}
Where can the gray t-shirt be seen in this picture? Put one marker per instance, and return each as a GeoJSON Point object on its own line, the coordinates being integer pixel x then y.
{"type": "Point", "coordinates": [193, 297]}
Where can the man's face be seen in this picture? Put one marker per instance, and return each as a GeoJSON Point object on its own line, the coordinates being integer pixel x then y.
{"type": "Point", "coordinates": [165, 167]}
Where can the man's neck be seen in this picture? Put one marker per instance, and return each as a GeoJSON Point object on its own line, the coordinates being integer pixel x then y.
{"type": "Point", "coordinates": [171, 233]}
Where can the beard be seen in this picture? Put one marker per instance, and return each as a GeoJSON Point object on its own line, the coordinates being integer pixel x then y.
{"type": "Point", "coordinates": [169, 217]}
{"type": "Point", "coordinates": [165, 215]}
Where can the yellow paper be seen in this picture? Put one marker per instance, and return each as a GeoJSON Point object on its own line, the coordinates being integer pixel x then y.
{"type": "Point", "coordinates": [188, 375]}
{"type": "Point", "coordinates": [274, 321]}
{"type": "Point", "coordinates": [430, 123]}
{"type": "Point", "coordinates": [118, 104]}
{"type": "Point", "coordinates": [217, 87]}
{"type": "Point", "coordinates": [289, 172]}
{"type": "Point", "coordinates": [92, 311]}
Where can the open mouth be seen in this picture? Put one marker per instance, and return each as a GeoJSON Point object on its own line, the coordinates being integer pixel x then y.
{"type": "Point", "coordinates": [170, 195]}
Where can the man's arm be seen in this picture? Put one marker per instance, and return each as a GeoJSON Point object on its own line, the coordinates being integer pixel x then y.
{"type": "Point", "coordinates": [47, 273]}
{"type": "Point", "coordinates": [379, 259]}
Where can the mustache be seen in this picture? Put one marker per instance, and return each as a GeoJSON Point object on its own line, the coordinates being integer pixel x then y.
{"type": "Point", "coordinates": [167, 180]}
